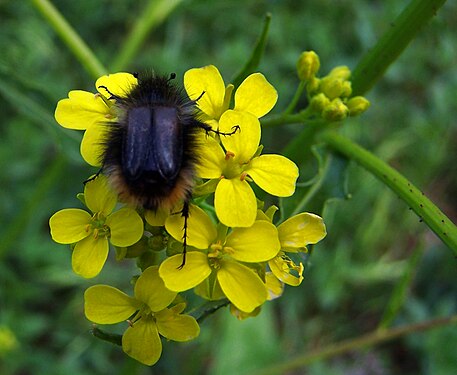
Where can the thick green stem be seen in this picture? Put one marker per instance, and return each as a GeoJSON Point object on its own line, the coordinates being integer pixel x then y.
{"type": "Point", "coordinates": [405, 27]}
{"type": "Point", "coordinates": [152, 16]}
{"type": "Point", "coordinates": [70, 38]}
{"type": "Point", "coordinates": [419, 203]}
{"type": "Point", "coordinates": [369, 339]}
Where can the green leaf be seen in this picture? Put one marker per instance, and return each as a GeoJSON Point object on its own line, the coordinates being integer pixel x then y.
{"type": "Point", "coordinates": [257, 53]}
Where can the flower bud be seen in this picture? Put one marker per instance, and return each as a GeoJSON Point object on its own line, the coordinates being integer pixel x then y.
{"type": "Point", "coordinates": [307, 65]}
{"type": "Point", "coordinates": [332, 87]}
{"type": "Point", "coordinates": [341, 71]}
{"type": "Point", "coordinates": [319, 102]}
{"type": "Point", "coordinates": [312, 85]}
{"type": "Point", "coordinates": [335, 111]}
{"type": "Point", "coordinates": [357, 105]}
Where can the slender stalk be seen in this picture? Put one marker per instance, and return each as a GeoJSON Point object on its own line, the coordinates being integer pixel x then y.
{"type": "Point", "coordinates": [296, 98]}
{"type": "Point", "coordinates": [369, 339]}
{"type": "Point", "coordinates": [106, 336]}
{"type": "Point", "coordinates": [71, 38]}
{"type": "Point", "coordinates": [405, 27]}
{"type": "Point", "coordinates": [419, 203]}
{"type": "Point", "coordinates": [155, 13]}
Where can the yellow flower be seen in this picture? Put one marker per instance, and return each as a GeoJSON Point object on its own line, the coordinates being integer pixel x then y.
{"type": "Point", "coordinates": [234, 200]}
{"type": "Point", "coordinates": [220, 258]}
{"type": "Point", "coordinates": [294, 235]}
{"type": "Point", "coordinates": [151, 317]}
{"type": "Point", "coordinates": [84, 110]}
{"type": "Point", "coordinates": [255, 96]}
{"type": "Point", "coordinates": [91, 232]}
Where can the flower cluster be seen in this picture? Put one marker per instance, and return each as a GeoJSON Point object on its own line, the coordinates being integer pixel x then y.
{"type": "Point", "coordinates": [235, 251]}
{"type": "Point", "coordinates": [329, 96]}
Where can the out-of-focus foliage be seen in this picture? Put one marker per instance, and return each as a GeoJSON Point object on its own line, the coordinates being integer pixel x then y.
{"type": "Point", "coordinates": [411, 124]}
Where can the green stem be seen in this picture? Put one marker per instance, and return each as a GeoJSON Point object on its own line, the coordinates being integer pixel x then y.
{"type": "Point", "coordinates": [70, 38]}
{"type": "Point", "coordinates": [419, 203]}
{"type": "Point", "coordinates": [314, 189]}
{"type": "Point", "coordinates": [405, 27]}
{"type": "Point", "coordinates": [113, 338]}
{"type": "Point", "coordinates": [286, 118]}
{"type": "Point", "coordinates": [369, 339]}
{"type": "Point", "coordinates": [153, 15]}
{"type": "Point", "coordinates": [296, 98]}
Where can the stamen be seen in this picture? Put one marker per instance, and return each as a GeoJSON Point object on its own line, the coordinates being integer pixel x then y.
{"type": "Point", "coordinates": [229, 154]}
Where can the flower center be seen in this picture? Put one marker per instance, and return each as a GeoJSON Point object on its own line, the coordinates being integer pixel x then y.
{"type": "Point", "coordinates": [143, 313]}
{"type": "Point", "coordinates": [215, 255]}
{"type": "Point", "coordinates": [98, 227]}
{"type": "Point", "coordinates": [232, 169]}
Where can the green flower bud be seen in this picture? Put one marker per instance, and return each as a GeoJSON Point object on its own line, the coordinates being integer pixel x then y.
{"type": "Point", "coordinates": [319, 102]}
{"type": "Point", "coordinates": [137, 249]}
{"type": "Point", "coordinates": [312, 85]}
{"type": "Point", "coordinates": [307, 65]}
{"type": "Point", "coordinates": [157, 242]}
{"type": "Point", "coordinates": [335, 111]}
{"type": "Point", "coordinates": [346, 89]}
{"type": "Point", "coordinates": [357, 105]}
{"type": "Point", "coordinates": [332, 87]}
{"type": "Point", "coordinates": [341, 71]}
{"type": "Point", "coordinates": [147, 259]}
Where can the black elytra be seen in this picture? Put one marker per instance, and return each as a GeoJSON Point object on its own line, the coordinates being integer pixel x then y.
{"type": "Point", "coordinates": [150, 153]}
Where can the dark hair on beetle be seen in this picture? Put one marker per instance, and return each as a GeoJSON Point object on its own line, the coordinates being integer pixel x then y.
{"type": "Point", "coordinates": [150, 154]}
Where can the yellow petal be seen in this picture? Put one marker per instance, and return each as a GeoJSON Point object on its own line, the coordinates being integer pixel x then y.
{"type": "Point", "coordinates": [150, 289]}
{"type": "Point", "coordinates": [209, 289]}
{"type": "Point", "coordinates": [119, 84]}
{"type": "Point", "coordinates": [193, 273]}
{"type": "Point", "coordinates": [255, 95]}
{"type": "Point", "coordinates": [156, 218]}
{"type": "Point", "coordinates": [275, 174]}
{"type": "Point", "coordinates": [244, 142]}
{"type": "Point", "coordinates": [98, 195]}
{"type": "Point", "coordinates": [257, 243]}
{"type": "Point", "coordinates": [211, 159]}
{"type": "Point", "coordinates": [242, 286]}
{"type": "Point", "coordinates": [201, 232]}
{"type": "Point", "coordinates": [228, 96]}
{"type": "Point", "coordinates": [241, 315]}
{"type": "Point", "coordinates": [177, 327]}
{"type": "Point", "coordinates": [301, 230]}
{"type": "Point", "coordinates": [104, 304]}
{"type": "Point", "coordinates": [81, 110]}
{"type": "Point", "coordinates": [69, 225]}
{"type": "Point", "coordinates": [235, 203]}
{"type": "Point", "coordinates": [274, 285]}
{"type": "Point", "coordinates": [92, 145]}
{"type": "Point", "coordinates": [142, 341]}
{"type": "Point", "coordinates": [207, 81]}
{"type": "Point", "coordinates": [89, 256]}
{"type": "Point", "coordinates": [282, 268]}
{"type": "Point", "coordinates": [126, 227]}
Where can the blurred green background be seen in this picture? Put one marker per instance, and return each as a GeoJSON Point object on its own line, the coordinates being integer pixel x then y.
{"type": "Point", "coordinates": [371, 236]}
